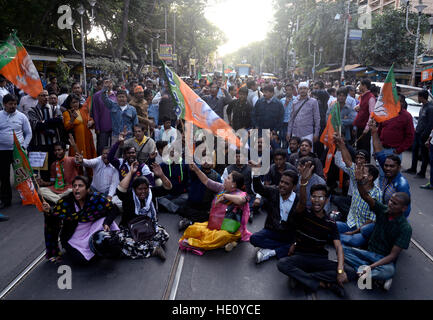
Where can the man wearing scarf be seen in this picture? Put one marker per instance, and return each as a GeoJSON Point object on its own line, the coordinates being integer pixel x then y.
{"type": "Point", "coordinates": [62, 172]}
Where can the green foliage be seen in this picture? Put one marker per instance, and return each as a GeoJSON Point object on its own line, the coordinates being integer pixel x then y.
{"type": "Point", "coordinates": [62, 72]}
{"type": "Point", "coordinates": [388, 41]}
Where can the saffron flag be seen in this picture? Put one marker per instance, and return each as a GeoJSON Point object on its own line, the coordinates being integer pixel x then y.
{"type": "Point", "coordinates": [18, 68]}
{"type": "Point", "coordinates": [193, 109]}
{"type": "Point", "coordinates": [23, 174]}
{"type": "Point", "coordinates": [388, 103]}
{"type": "Point", "coordinates": [333, 125]}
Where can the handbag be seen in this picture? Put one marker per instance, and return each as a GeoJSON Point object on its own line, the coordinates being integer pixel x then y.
{"type": "Point", "coordinates": [232, 219]}
{"type": "Point", "coordinates": [142, 228]}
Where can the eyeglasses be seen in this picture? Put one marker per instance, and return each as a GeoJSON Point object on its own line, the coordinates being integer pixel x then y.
{"type": "Point", "coordinates": [321, 198]}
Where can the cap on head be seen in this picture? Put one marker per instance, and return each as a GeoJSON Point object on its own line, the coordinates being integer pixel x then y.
{"type": "Point", "coordinates": [138, 89]}
{"type": "Point", "coordinates": [303, 85]}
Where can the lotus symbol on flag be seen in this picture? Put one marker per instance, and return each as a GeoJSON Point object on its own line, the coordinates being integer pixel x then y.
{"type": "Point", "coordinates": [29, 68]}
{"type": "Point", "coordinates": [379, 108]}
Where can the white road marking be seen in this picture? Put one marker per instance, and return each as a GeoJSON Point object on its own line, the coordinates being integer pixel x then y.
{"type": "Point", "coordinates": [22, 275]}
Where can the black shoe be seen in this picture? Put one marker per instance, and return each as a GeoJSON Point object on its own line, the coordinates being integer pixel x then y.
{"type": "Point", "coordinates": [420, 175]}
{"type": "Point", "coordinates": [411, 171]}
{"type": "Point", "coordinates": [339, 291]}
{"type": "Point", "coordinates": [3, 217]}
{"type": "Point", "coordinates": [184, 223]}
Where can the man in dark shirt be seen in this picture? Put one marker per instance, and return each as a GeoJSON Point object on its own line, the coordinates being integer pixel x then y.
{"type": "Point", "coordinates": [422, 132]}
{"type": "Point", "coordinates": [390, 236]}
{"type": "Point", "coordinates": [239, 111]}
{"type": "Point", "coordinates": [308, 262]}
{"type": "Point", "coordinates": [278, 167]}
{"type": "Point", "coordinates": [277, 237]}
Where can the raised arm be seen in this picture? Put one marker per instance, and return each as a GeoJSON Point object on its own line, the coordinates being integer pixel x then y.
{"type": "Point", "coordinates": [345, 154]}
{"type": "Point", "coordinates": [201, 176]}
{"type": "Point", "coordinates": [361, 179]}
{"type": "Point", "coordinates": [124, 184]}
{"type": "Point", "coordinates": [166, 183]}
{"type": "Point", "coordinates": [306, 172]}
{"type": "Point", "coordinates": [377, 144]}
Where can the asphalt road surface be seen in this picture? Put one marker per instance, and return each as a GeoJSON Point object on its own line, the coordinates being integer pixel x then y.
{"type": "Point", "coordinates": [217, 275]}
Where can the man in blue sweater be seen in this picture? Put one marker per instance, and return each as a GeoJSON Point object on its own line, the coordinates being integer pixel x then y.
{"type": "Point", "coordinates": [268, 113]}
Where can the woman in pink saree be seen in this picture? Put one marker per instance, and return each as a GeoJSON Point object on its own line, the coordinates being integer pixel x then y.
{"type": "Point", "coordinates": [220, 231]}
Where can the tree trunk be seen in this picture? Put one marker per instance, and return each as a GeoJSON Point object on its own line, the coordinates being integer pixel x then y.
{"type": "Point", "coordinates": [124, 32]}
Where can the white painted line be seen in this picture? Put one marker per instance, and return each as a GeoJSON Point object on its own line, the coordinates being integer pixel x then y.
{"type": "Point", "coordinates": [176, 281]}
{"type": "Point", "coordinates": [428, 255]}
{"type": "Point", "coordinates": [22, 275]}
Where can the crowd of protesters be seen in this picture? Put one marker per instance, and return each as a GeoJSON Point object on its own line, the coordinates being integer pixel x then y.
{"type": "Point", "coordinates": [105, 157]}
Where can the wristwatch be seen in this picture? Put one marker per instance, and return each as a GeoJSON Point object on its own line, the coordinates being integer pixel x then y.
{"type": "Point", "coordinates": [340, 271]}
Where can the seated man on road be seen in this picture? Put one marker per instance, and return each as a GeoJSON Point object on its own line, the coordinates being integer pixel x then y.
{"type": "Point", "coordinates": [341, 201]}
{"type": "Point", "coordinates": [315, 179]}
{"type": "Point", "coordinates": [391, 234]}
{"type": "Point", "coordinates": [280, 165]}
{"type": "Point", "coordinates": [145, 146]}
{"type": "Point", "coordinates": [177, 172]}
{"type": "Point", "coordinates": [360, 220]}
{"type": "Point", "coordinates": [105, 176]}
{"type": "Point", "coordinates": [199, 196]}
{"type": "Point", "coordinates": [305, 150]}
{"type": "Point", "coordinates": [390, 180]}
{"type": "Point", "coordinates": [123, 165]}
{"type": "Point", "coordinates": [308, 261]}
{"type": "Point", "coordinates": [277, 237]}
{"type": "Point", "coordinates": [63, 171]}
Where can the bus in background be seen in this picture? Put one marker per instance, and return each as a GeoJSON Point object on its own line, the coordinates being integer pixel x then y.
{"type": "Point", "coordinates": [243, 70]}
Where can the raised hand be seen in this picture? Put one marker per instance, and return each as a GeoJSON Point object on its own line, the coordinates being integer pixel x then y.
{"type": "Point", "coordinates": [79, 157]}
{"type": "Point", "coordinates": [156, 168]}
{"type": "Point", "coordinates": [122, 135]}
{"type": "Point", "coordinates": [306, 172]}
{"type": "Point", "coordinates": [338, 140]}
{"type": "Point", "coordinates": [134, 167]}
{"type": "Point", "coordinates": [359, 172]}
{"type": "Point", "coordinates": [373, 126]}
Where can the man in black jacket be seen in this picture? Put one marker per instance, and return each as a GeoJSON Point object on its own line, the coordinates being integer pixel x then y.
{"type": "Point", "coordinates": [422, 133]}
{"type": "Point", "coordinates": [278, 234]}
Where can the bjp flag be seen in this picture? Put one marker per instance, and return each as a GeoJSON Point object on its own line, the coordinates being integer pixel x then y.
{"type": "Point", "coordinates": [193, 109]}
{"type": "Point", "coordinates": [333, 125]}
{"type": "Point", "coordinates": [388, 104]}
{"type": "Point", "coordinates": [18, 68]}
{"type": "Point", "coordinates": [23, 173]}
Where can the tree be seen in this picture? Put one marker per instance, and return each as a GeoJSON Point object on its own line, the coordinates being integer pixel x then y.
{"type": "Point", "coordinates": [388, 42]}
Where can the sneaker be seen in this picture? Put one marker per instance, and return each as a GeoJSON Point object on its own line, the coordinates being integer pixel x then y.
{"type": "Point", "coordinates": [159, 252]}
{"type": "Point", "coordinates": [3, 217]}
{"type": "Point", "coordinates": [387, 284]}
{"type": "Point", "coordinates": [264, 254]}
{"type": "Point", "coordinates": [184, 223]}
{"type": "Point", "coordinates": [229, 246]}
{"type": "Point", "coordinates": [427, 186]}
{"type": "Point", "coordinates": [411, 171]}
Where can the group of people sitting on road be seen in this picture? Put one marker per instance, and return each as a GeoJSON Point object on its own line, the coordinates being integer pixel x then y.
{"type": "Point", "coordinates": [139, 174]}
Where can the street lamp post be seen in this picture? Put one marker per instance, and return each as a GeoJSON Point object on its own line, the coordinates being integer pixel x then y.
{"type": "Point", "coordinates": [81, 10]}
{"type": "Point", "coordinates": [343, 63]}
{"type": "Point", "coordinates": [420, 7]}
{"type": "Point", "coordinates": [314, 56]}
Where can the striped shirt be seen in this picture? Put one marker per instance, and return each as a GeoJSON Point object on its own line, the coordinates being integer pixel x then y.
{"type": "Point", "coordinates": [360, 211]}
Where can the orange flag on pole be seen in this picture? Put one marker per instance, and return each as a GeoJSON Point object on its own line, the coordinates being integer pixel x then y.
{"type": "Point", "coordinates": [388, 104]}
{"type": "Point", "coordinates": [333, 125]}
{"type": "Point", "coordinates": [193, 109]}
{"type": "Point", "coordinates": [18, 68]}
{"type": "Point", "coordinates": [23, 174]}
